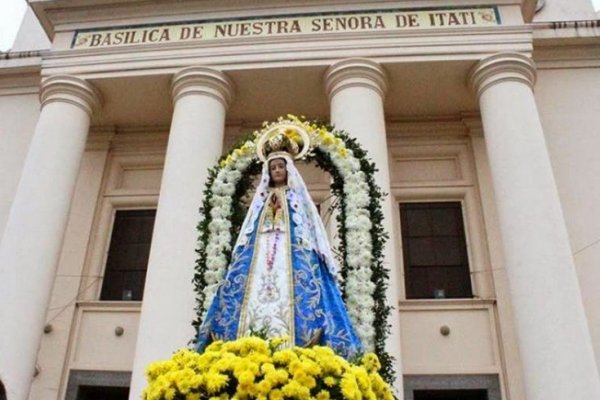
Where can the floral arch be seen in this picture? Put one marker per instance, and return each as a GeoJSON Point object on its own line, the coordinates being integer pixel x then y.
{"type": "Point", "coordinates": [359, 223]}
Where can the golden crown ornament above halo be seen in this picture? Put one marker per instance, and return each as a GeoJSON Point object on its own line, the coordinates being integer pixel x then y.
{"type": "Point", "coordinates": [283, 138]}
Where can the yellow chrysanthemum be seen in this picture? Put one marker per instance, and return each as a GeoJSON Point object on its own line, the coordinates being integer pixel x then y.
{"type": "Point", "coordinates": [370, 362]}
{"type": "Point", "coordinates": [276, 394]}
{"type": "Point", "coordinates": [349, 387]}
{"type": "Point", "coordinates": [215, 381]}
{"type": "Point", "coordinates": [296, 390]}
{"type": "Point", "coordinates": [261, 372]}
{"type": "Point", "coordinates": [284, 356]}
{"type": "Point", "coordinates": [330, 381]}
{"type": "Point", "coordinates": [277, 342]}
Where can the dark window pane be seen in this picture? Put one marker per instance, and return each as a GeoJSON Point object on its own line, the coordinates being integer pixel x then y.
{"type": "Point", "coordinates": [421, 251]}
{"type": "Point", "coordinates": [448, 250]}
{"type": "Point", "coordinates": [479, 394]}
{"type": "Point", "coordinates": [102, 393]}
{"type": "Point", "coordinates": [419, 221]}
{"type": "Point", "coordinates": [446, 220]}
{"type": "Point", "coordinates": [127, 260]}
{"type": "Point", "coordinates": [435, 251]}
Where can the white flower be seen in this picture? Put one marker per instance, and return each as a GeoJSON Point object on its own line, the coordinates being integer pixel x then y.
{"type": "Point", "coordinates": [242, 163]}
{"type": "Point", "coordinates": [233, 176]}
{"type": "Point", "coordinates": [228, 189]}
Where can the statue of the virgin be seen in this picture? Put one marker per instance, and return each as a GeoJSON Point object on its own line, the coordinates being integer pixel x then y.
{"type": "Point", "coordinates": [282, 279]}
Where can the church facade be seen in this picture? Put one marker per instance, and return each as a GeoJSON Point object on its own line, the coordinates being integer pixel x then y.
{"type": "Point", "coordinates": [481, 117]}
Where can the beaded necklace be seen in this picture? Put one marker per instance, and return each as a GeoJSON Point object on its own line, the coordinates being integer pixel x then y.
{"type": "Point", "coordinates": [274, 212]}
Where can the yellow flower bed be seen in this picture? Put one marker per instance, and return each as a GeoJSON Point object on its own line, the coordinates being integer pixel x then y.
{"type": "Point", "coordinates": [253, 368]}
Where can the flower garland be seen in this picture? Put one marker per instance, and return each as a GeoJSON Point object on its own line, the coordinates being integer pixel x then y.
{"type": "Point", "coordinates": [364, 278]}
{"type": "Point", "coordinates": [253, 368]}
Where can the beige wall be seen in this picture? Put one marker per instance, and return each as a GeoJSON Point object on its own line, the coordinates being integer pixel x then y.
{"type": "Point", "coordinates": [566, 10]}
{"type": "Point", "coordinates": [31, 36]}
{"type": "Point", "coordinates": [19, 114]}
{"type": "Point", "coordinates": [569, 100]}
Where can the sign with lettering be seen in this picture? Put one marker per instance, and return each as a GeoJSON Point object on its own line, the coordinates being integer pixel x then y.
{"type": "Point", "coordinates": [367, 21]}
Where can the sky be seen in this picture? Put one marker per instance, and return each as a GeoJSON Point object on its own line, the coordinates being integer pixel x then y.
{"type": "Point", "coordinates": [11, 15]}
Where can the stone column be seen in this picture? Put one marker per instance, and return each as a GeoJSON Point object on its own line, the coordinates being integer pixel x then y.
{"type": "Point", "coordinates": [36, 224]}
{"type": "Point", "coordinates": [356, 88]}
{"type": "Point", "coordinates": [200, 96]}
{"type": "Point", "coordinates": [552, 332]}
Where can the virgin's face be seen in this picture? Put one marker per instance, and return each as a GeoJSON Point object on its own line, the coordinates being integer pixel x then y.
{"type": "Point", "coordinates": [278, 172]}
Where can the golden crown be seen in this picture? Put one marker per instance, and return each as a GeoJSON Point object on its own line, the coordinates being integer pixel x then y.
{"type": "Point", "coordinates": [284, 137]}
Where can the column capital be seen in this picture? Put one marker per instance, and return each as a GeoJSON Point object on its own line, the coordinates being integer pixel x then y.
{"type": "Point", "coordinates": [355, 72]}
{"type": "Point", "coordinates": [502, 67]}
{"type": "Point", "coordinates": [73, 90]}
{"type": "Point", "coordinates": [204, 81]}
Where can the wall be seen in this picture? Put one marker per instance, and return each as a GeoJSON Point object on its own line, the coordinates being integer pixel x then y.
{"type": "Point", "coordinates": [19, 116]}
{"type": "Point", "coordinates": [31, 35]}
{"type": "Point", "coordinates": [566, 10]}
{"type": "Point", "coordinates": [568, 101]}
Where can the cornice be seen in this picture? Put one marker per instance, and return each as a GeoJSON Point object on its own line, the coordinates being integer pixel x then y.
{"type": "Point", "coordinates": [55, 14]}
{"type": "Point", "coordinates": [355, 72]}
{"type": "Point", "coordinates": [21, 63]}
{"type": "Point", "coordinates": [202, 81]}
{"type": "Point", "coordinates": [99, 138]}
{"type": "Point", "coordinates": [502, 67]}
{"type": "Point", "coordinates": [472, 121]}
{"type": "Point", "coordinates": [24, 79]}
{"type": "Point", "coordinates": [70, 89]}
{"type": "Point", "coordinates": [238, 54]}
{"type": "Point", "coordinates": [566, 44]}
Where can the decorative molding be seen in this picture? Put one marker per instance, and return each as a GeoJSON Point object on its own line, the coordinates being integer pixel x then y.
{"type": "Point", "coordinates": [99, 138]}
{"type": "Point", "coordinates": [438, 126]}
{"type": "Point", "coordinates": [502, 67]}
{"type": "Point", "coordinates": [445, 304]}
{"type": "Point", "coordinates": [20, 76]}
{"type": "Point", "coordinates": [202, 81]}
{"type": "Point", "coordinates": [80, 378]}
{"type": "Point", "coordinates": [557, 54]}
{"type": "Point", "coordinates": [72, 90]}
{"type": "Point", "coordinates": [421, 164]}
{"type": "Point", "coordinates": [490, 383]}
{"type": "Point", "coordinates": [146, 140]}
{"type": "Point", "coordinates": [577, 24]}
{"type": "Point", "coordinates": [121, 164]}
{"type": "Point", "coordinates": [9, 55]}
{"type": "Point", "coordinates": [279, 52]}
{"type": "Point", "coordinates": [355, 72]}
{"type": "Point", "coordinates": [472, 122]}
{"type": "Point", "coordinates": [55, 16]}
